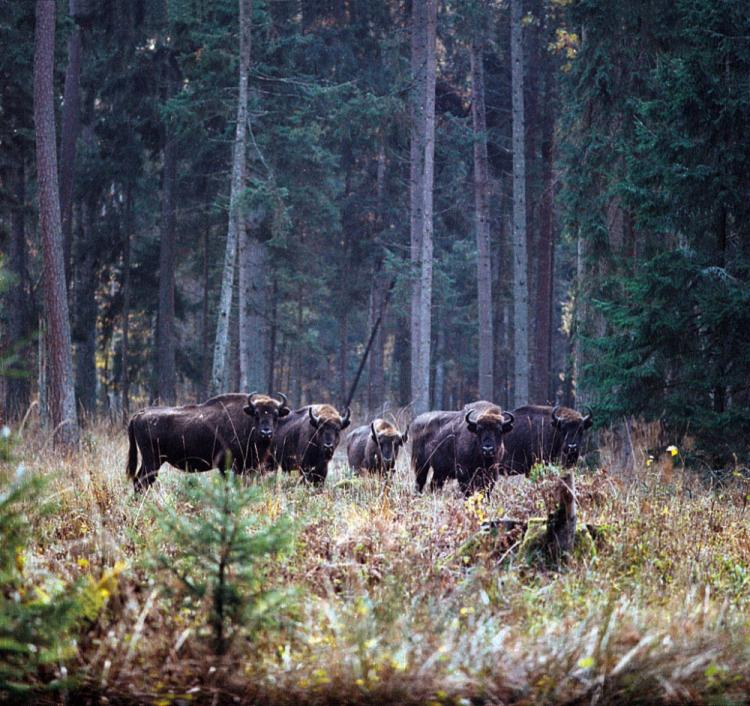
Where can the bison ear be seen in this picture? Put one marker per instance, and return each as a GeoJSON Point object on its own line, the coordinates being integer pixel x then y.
{"type": "Point", "coordinates": [283, 411]}
{"type": "Point", "coordinates": [249, 409]}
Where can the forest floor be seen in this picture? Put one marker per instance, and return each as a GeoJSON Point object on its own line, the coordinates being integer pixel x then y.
{"type": "Point", "coordinates": [389, 597]}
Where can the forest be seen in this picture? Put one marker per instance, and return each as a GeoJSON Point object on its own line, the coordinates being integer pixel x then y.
{"type": "Point", "coordinates": [371, 211]}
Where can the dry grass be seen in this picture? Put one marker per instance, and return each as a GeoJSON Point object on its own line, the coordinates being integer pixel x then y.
{"type": "Point", "coordinates": [399, 598]}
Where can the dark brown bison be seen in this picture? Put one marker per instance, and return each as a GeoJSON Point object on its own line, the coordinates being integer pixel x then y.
{"type": "Point", "coordinates": [307, 439]}
{"type": "Point", "coordinates": [232, 430]}
{"type": "Point", "coordinates": [467, 446]}
{"type": "Point", "coordinates": [543, 434]}
{"type": "Point", "coordinates": [375, 447]}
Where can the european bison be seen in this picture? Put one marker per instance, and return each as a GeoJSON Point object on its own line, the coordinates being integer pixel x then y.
{"type": "Point", "coordinates": [307, 439]}
{"type": "Point", "coordinates": [228, 430]}
{"type": "Point", "coordinates": [375, 447]}
{"type": "Point", "coordinates": [464, 445]}
{"type": "Point", "coordinates": [543, 434]}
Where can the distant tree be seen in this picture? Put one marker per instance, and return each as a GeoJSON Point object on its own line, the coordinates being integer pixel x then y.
{"type": "Point", "coordinates": [61, 396]}
{"type": "Point", "coordinates": [236, 223]}
{"type": "Point", "coordinates": [422, 156]}
{"type": "Point", "coordinates": [520, 258]}
{"type": "Point", "coordinates": [482, 218]}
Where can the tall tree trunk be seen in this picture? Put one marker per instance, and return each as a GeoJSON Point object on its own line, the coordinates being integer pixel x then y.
{"type": "Point", "coordinates": [166, 335]}
{"type": "Point", "coordinates": [236, 224]}
{"type": "Point", "coordinates": [205, 383]}
{"type": "Point", "coordinates": [272, 334]}
{"type": "Point", "coordinates": [129, 231]}
{"type": "Point", "coordinates": [69, 133]}
{"type": "Point", "coordinates": [545, 272]}
{"type": "Point", "coordinates": [376, 372]}
{"type": "Point", "coordinates": [482, 224]}
{"type": "Point", "coordinates": [17, 388]}
{"type": "Point", "coordinates": [60, 365]}
{"type": "Point", "coordinates": [520, 259]}
{"type": "Point", "coordinates": [84, 296]}
{"type": "Point", "coordinates": [422, 153]}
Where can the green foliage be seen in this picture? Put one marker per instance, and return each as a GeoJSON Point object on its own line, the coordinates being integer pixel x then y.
{"type": "Point", "coordinates": [216, 545]}
{"type": "Point", "coordinates": [38, 613]}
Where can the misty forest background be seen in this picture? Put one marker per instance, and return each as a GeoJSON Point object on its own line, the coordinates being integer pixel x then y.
{"type": "Point", "coordinates": [543, 201]}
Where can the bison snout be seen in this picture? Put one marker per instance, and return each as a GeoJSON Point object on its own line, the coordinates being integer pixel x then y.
{"type": "Point", "coordinates": [266, 434]}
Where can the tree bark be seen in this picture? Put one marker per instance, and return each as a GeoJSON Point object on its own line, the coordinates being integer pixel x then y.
{"type": "Point", "coordinates": [520, 259]}
{"type": "Point", "coordinates": [69, 134]}
{"type": "Point", "coordinates": [218, 375]}
{"type": "Point", "coordinates": [253, 314]}
{"type": "Point", "coordinates": [482, 224]}
{"type": "Point", "coordinates": [422, 152]}
{"type": "Point", "coordinates": [166, 335]}
{"type": "Point", "coordinates": [17, 388]}
{"type": "Point", "coordinates": [61, 395]}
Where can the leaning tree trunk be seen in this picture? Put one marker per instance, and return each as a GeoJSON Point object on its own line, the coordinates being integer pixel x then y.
{"type": "Point", "coordinates": [422, 153]}
{"type": "Point", "coordinates": [520, 260]}
{"type": "Point", "coordinates": [69, 133]}
{"type": "Point", "coordinates": [61, 395]}
{"type": "Point", "coordinates": [482, 225]}
{"type": "Point", "coordinates": [221, 344]}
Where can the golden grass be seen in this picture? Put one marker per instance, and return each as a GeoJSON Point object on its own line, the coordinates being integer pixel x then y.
{"type": "Point", "coordinates": [399, 598]}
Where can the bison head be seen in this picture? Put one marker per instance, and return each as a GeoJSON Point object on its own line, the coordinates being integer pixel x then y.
{"type": "Point", "coordinates": [388, 442]}
{"type": "Point", "coordinates": [569, 426]}
{"type": "Point", "coordinates": [489, 428]}
{"type": "Point", "coordinates": [328, 424]}
{"type": "Point", "coordinates": [265, 411]}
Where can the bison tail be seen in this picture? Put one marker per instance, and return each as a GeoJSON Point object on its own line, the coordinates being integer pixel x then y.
{"type": "Point", "coordinates": [132, 451]}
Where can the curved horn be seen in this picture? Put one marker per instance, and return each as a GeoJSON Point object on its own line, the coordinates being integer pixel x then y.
{"type": "Point", "coordinates": [252, 394]}
{"type": "Point", "coordinates": [282, 398]}
{"type": "Point", "coordinates": [345, 418]}
{"type": "Point", "coordinates": [315, 420]}
{"type": "Point", "coordinates": [510, 415]}
{"type": "Point", "coordinates": [374, 433]}
{"type": "Point", "coordinates": [589, 413]}
{"type": "Point", "coordinates": [554, 413]}
{"type": "Point", "coordinates": [468, 414]}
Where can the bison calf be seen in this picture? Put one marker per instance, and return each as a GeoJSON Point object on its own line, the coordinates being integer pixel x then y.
{"type": "Point", "coordinates": [307, 439]}
{"type": "Point", "coordinates": [467, 446]}
{"type": "Point", "coordinates": [375, 447]}
{"type": "Point", "coordinates": [232, 430]}
{"type": "Point", "coordinates": [544, 434]}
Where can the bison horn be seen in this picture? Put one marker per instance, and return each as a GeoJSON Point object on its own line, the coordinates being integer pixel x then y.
{"type": "Point", "coordinates": [374, 433]}
{"type": "Point", "coordinates": [313, 419]}
{"type": "Point", "coordinates": [511, 417]}
{"type": "Point", "coordinates": [468, 414]}
{"type": "Point", "coordinates": [282, 398]}
{"type": "Point", "coordinates": [554, 413]}
{"type": "Point", "coordinates": [589, 413]}
{"type": "Point", "coordinates": [345, 418]}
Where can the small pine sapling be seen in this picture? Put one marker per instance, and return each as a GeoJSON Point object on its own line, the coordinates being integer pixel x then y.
{"type": "Point", "coordinates": [217, 555]}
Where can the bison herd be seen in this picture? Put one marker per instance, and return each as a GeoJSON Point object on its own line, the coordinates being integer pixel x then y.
{"type": "Point", "coordinates": [257, 433]}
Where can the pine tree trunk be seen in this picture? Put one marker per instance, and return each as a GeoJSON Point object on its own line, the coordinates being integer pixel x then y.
{"type": "Point", "coordinates": [61, 395]}
{"type": "Point", "coordinates": [69, 134]}
{"type": "Point", "coordinates": [236, 226]}
{"type": "Point", "coordinates": [166, 333]}
{"type": "Point", "coordinates": [482, 225]}
{"type": "Point", "coordinates": [520, 259]}
{"type": "Point", "coordinates": [17, 388]}
{"type": "Point", "coordinates": [422, 152]}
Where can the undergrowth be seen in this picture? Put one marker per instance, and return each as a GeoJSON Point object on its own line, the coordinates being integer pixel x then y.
{"type": "Point", "coordinates": [383, 596]}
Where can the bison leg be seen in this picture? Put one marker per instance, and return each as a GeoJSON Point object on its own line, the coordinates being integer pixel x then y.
{"type": "Point", "coordinates": [145, 477]}
{"type": "Point", "coordinates": [317, 474]}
